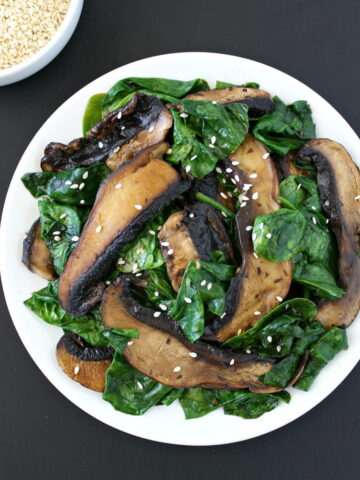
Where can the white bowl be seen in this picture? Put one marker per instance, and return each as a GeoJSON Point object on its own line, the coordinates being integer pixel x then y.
{"type": "Point", "coordinates": [164, 424]}
{"type": "Point", "coordinates": [47, 53]}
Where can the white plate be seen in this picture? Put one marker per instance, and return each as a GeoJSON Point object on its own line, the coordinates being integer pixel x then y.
{"type": "Point", "coordinates": [163, 424]}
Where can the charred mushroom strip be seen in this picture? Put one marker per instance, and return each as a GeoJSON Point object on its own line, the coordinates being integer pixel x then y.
{"type": "Point", "coordinates": [191, 235]}
{"type": "Point", "coordinates": [126, 201]}
{"type": "Point", "coordinates": [258, 101]}
{"type": "Point", "coordinates": [210, 187]}
{"type": "Point", "coordinates": [164, 354]}
{"type": "Point", "coordinates": [86, 365]}
{"type": "Point", "coordinates": [285, 166]}
{"type": "Point", "coordinates": [36, 255]}
{"type": "Point", "coordinates": [143, 121]}
{"type": "Point", "coordinates": [261, 285]}
{"type": "Point", "coordinates": [339, 185]}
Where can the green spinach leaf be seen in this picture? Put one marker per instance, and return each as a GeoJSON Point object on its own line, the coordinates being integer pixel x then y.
{"type": "Point", "coordinates": [93, 112]}
{"type": "Point", "coordinates": [220, 84]}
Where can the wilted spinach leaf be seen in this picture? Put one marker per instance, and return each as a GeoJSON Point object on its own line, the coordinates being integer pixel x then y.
{"type": "Point", "coordinates": [174, 394]}
{"type": "Point", "coordinates": [60, 185]}
{"type": "Point", "coordinates": [220, 84]}
{"type": "Point", "coordinates": [60, 228]}
{"type": "Point", "coordinates": [93, 112]}
{"type": "Point", "coordinates": [287, 128]}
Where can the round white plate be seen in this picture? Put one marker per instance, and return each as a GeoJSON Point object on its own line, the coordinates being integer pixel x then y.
{"type": "Point", "coordinates": [163, 424]}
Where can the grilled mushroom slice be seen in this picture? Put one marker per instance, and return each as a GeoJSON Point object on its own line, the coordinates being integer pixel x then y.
{"type": "Point", "coordinates": [86, 365]}
{"type": "Point", "coordinates": [261, 285]}
{"type": "Point", "coordinates": [210, 187]}
{"type": "Point", "coordinates": [143, 121]}
{"type": "Point", "coordinates": [36, 255]}
{"type": "Point", "coordinates": [338, 180]}
{"type": "Point", "coordinates": [285, 166]}
{"type": "Point", "coordinates": [192, 234]}
{"type": "Point", "coordinates": [258, 101]}
{"type": "Point", "coordinates": [164, 354]}
{"type": "Point", "coordinates": [126, 201]}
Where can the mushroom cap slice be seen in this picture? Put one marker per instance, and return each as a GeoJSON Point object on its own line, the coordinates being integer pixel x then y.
{"type": "Point", "coordinates": [36, 255]}
{"type": "Point", "coordinates": [258, 101]}
{"type": "Point", "coordinates": [126, 201]}
{"type": "Point", "coordinates": [338, 180]}
{"type": "Point", "coordinates": [143, 121]}
{"type": "Point", "coordinates": [86, 365]}
{"type": "Point", "coordinates": [164, 354]}
{"type": "Point", "coordinates": [261, 285]}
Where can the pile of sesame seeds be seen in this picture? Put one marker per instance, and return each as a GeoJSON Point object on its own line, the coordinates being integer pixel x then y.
{"type": "Point", "coordinates": [26, 26]}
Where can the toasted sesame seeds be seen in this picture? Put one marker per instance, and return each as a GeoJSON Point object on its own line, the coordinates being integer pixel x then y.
{"type": "Point", "coordinates": [247, 186]}
{"type": "Point", "coordinates": [159, 228]}
{"type": "Point", "coordinates": [232, 181]}
{"type": "Point", "coordinates": [187, 168]}
{"type": "Point", "coordinates": [75, 238]}
{"type": "Point", "coordinates": [56, 233]}
{"type": "Point", "coordinates": [192, 354]}
{"type": "Point", "coordinates": [193, 158]}
{"type": "Point", "coordinates": [63, 215]}
{"type": "Point", "coordinates": [157, 314]}
{"type": "Point", "coordinates": [135, 267]}
{"type": "Point", "coordinates": [279, 299]}
{"type": "Point", "coordinates": [107, 282]}
{"type": "Point", "coordinates": [261, 226]}
{"type": "Point", "coordinates": [253, 175]}
{"type": "Point", "coordinates": [116, 149]}
{"type": "Point", "coordinates": [151, 232]}
{"type": "Point", "coordinates": [169, 151]}
{"type": "Point", "coordinates": [255, 255]}
{"type": "Point", "coordinates": [130, 342]}
{"type": "Point", "coordinates": [266, 155]}
{"type": "Point", "coordinates": [214, 102]}
{"type": "Point", "coordinates": [191, 215]}
{"type": "Point", "coordinates": [232, 361]}
{"type": "Point", "coordinates": [327, 203]}
{"type": "Point", "coordinates": [278, 348]}
{"type": "Point", "coordinates": [187, 300]}
{"type": "Point", "coordinates": [314, 220]}
{"type": "Point", "coordinates": [118, 185]}
{"type": "Point", "coordinates": [76, 369]}
{"type": "Point", "coordinates": [237, 178]}
{"type": "Point", "coordinates": [164, 244]}
{"type": "Point", "coordinates": [235, 162]}
{"type": "Point", "coordinates": [184, 115]}
{"type": "Point", "coordinates": [209, 286]}
{"type": "Point", "coordinates": [239, 331]}
{"type": "Point", "coordinates": [121, 261]}
{"type": "Point", "coordinates": [287, 307]}
{"type": "Point", "coordinates": [163, 307]}
{"type": "Point", "coordinates": [101, 145]}
{"type": "Point", "coordinates": [156, 293]}
{"type": "Point", "coordinates": [243, 204]}
{"type": "Point", "coordinates": [213, 139]}
{"type": "Point", "coordinates": [357, 197]}
{"type": "Point", "coordinates": [119, 115]}
{"type": "Point", "coordinates": [268, 235]}
{"type": "Point", "coordinates": [218, 170]}
{"type": "Point", "coordinates": [198, 264]}
{"type": "Point", "coordinates": [123, 128]}
{"type": "Point", "coordinates": [176, 369]}
{"type": "Point", "coordinates": [223, 214]}
{"type": "Point", "coordinates": [249, 228]}
{"type": "Point", "coordinates": [298, 187]}
{"type": "Point", "coordinates": [74, 186]}
{"type": "Point", "coordinates": [223, 195]}
{"type": "Point", "coordinates": [82, 185]}
{"type": "Point", "coordinates": [140, 385]}
{"type": "Point", "coordinates": [138, 207]}
{"type": "Point", "coordinates": [170, 251]}
{"type": "Point", "coordinates": [327, 221]}
{"type": "Point", "coordinates": [255, 196]}
{"type": "Point", "coordinates": [82, 202]}
{"type": "Point", "coordinates": [203, 283]}
{"type": "Point", "coordinates": [313, 208]}
{"type": "Point", "coordinates": [223, 315]}
{"type": "Point", "coordinates": [228, 170]}
{"type": "Point", "coordinates": [257, 313]}
{"type": "Point", "coordinates": [151, 129]}
{"type": "Point", "coordinates": [254, 236]}
{"type": "Point", "coordinates": [248, 351]}
{"type": "Point", "coordinates": [68, 182]}
{"type": "Point", "coordinates": [269, 338]}
{"type": "Point", "coordinates": [85, 176]}
{"type": "Point", "coordinates": [211, 145]}
{"type": "Point", "coordinates": [57, 238]}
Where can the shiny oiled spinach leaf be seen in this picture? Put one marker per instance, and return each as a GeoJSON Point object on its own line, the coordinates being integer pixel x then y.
{"type": "Point", "coordinates": [93, 112]}
{"type": "Point", "coordinates": [60, 185]}
{"type": "Point", "coordinates": [220, 84]}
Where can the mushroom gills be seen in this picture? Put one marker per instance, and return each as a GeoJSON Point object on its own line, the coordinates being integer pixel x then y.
{"type": "Point", "coordinates": [36, 255]}
{"type": "Point", "coordinates": [142, 122]}
{"type": "Point", "coordinates": [126, 201]}
{"type": "Point", "coordinates": [338, 181]}
{"type": "Point", "coordinates": [84, 364]}
{"type": "Point", "coordinates": [163, 353]}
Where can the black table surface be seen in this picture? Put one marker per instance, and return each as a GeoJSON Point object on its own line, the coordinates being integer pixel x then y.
{"type": "Point", "coordinates": [42, 434]}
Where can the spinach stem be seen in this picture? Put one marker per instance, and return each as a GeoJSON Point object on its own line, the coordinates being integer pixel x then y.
{"type": "Point", "coordinates": [215, 204]}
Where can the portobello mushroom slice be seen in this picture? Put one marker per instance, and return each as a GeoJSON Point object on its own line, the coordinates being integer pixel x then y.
{"type": "Point", "coordinates": [192, 234]}
{"type": "Point", "coordinates": [143, 121]}
{"type": "Point", "coordinates": [261, 285]}
{"type": "Point", "coordinates": [164, 354]}
{"type": "Point", "coordinates": [36, 255]}
{"type": "Point", "coordinates": [126, 201]}
{"type": "Point", "coordinates": [285, 166]}
{"type": "Point", "coordinates": [210, 186]}
{"type": "Point", "coordinates": [84, 364]}
{"type": "Point", "coordinates": [258, 101]}
{"type": "Point", "coordinates": [338, 180]}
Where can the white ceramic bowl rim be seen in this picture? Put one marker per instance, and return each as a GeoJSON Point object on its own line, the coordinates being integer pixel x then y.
{"type": "Point", "coordinates": [164, 424]}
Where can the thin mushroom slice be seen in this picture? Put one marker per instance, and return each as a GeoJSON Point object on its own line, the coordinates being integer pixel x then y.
{"type": "Point", "coordinates": [261, 285]}
{"type": "Point", "coordinates": [143, 121]}
{"type": "Point", "coordinates": [36, 255]}
{"type": "Point", "coordinates": [338, 180]}
{"type": "Point", "coordinates": [126, 201]}
{"type": "Point", "coordinates": [164, 354]}
{"type": "Point", "coordinates": [84, 364]}
{"type": "Point", "coordinates": [258, 101]}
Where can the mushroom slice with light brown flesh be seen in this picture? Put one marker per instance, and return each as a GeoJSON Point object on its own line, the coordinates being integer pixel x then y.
{"type": "Point", "coordinates": [84, 364]}
{"type": "Point", "coordinates": [36, 255]}
{"type": "Point", "coordinates": [143, 121]}
{"type": "Point", "coordinates": [192, 234]}
{"type": "Point", "coordinates": [163, 353]}
{"type": "Point", "coordinates": [261, 285]}
{"type": "Point", "coordinates": [125, 202]}
{"type": "Point", "coordinates": [338, 179]}
{"type": "Point", "coordinates": [258, 101]}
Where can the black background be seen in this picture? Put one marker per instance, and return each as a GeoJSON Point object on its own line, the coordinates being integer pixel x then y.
{"type": "Point", "coordinates": [43, 435]}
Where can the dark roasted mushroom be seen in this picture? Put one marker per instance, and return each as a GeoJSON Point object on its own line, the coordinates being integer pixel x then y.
{"type": "Point", "coordinates": [210, 187]}
{"type": "Point", "coordinates": [86, 365]}
{"type": "Point", "coordinates": [143, 121]}
{"type": "Point", "coordinates": [258, 101]}
{"type": "Point", "coordinates": [126, 201]}
{"type": "Point", "coordinates": [261, 285]}
{"type": "Point", "coordinates": [164, 354]}
{"type": "Point", "coordinates": [338, 180]}
{"type": "Point", "coordinates": [36, 255]}
{"type": "Point", "coordinates": [192, 234]}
